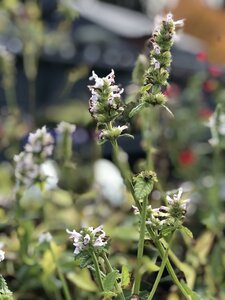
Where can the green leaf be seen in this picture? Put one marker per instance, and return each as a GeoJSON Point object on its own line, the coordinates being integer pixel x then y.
{"type": "Point", "coordinates": [108, 295]}
{"type": "Point", "coordinates": [193, 295]}
{"type": "Point", "coordinates": [186, 231]}
{"type": "Point", "coordinates": [125, 280]}
{"type": "Point", "coordinates": [142, 188]}
{"type": "Point", "coordinates": [136, 109]}
{"type": "Point", "coordinates": [82, 279]}
{"type": "Point", "coordinates": [109, 280]}
{"type": "Point", "coordinates": [5, 293]}
{"type": "Point", "coordinates": [146, 88]}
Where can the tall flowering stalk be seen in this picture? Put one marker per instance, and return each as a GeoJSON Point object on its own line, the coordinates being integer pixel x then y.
{"type": "Point", "coordinates": [105, 106]}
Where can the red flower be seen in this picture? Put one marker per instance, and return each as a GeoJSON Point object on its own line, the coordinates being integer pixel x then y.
{"type": "Point", "coordinates": [172, 90]}
{"type": "Point", "coordinates": [205, 113]}
{"type": "Point", "coordinates": [201, 56]}
{"type": "Point", "coordinates": [210, 85]}
{"type": "Point", "coordinates": [215, 71]}
{"type": "Point", "coordinates": [186, 158]}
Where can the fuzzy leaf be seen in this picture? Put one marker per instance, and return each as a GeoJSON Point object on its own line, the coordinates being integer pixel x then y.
{"type": "Point", "coordinates": [125, 280]}
{"type": "Point", "coordinates": [110, 280]}
{"type": "Point", "coordinates": [5, 293]}
{"type": "Point", "coordinates": [136, 109]}
{"type": "Point", "coordinates": [142, 188]}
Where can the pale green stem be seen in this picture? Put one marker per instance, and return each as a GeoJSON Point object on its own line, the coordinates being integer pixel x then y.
{"type": "Point", "coordinates": [61, 276]}
{"type": "Point", "coordinates": [110, 269]}
{"type": "Point", "coordinates": [168, 264]}
{"type": "Point", "coordinates": [137, 278]}
{"type": "Point", "coordinates": [97, 271]}
{"type": "Point", "coordinates": [159, 275]}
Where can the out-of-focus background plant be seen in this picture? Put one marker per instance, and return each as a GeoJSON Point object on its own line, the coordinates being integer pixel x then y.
{"type": "Point", "coordinates": [47, 52]}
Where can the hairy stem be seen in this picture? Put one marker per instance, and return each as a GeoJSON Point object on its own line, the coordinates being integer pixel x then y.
{"type": "Point", "coordinates": [97, 271]}
{"type": "Point", "coordinates": [110, 269]}
{"type": "Point", "coordinates": [61, 276]}
{"type": "Point", "coordinates": [137, 278]}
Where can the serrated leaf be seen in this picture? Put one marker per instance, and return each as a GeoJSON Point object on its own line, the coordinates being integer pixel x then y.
{"type": "Point", "coordinates": [186, 231]}
{"type": "Point", "coordinates": [108, 295]}
{"type": "Point", "coordinates": [142, 188]}
{"type": "Point", "coordinates": [136, 109]}
{"type": "Point", "coordinates": [125, 279]}
{"type": "Point", "coordinates": [5, 293]}
{"type": "Point", "coordinates": [109, 280]}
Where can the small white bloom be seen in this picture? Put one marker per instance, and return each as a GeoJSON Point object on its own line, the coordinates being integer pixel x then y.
{"type": "Point", "coordinates": [176, 197]}
{"type": "Point", "coordinates": [136, 210]}
{"type": "Point", "coordinates": [63, 127]}
{"type": "Point", "coordinates": [156, 48]}
{"type": "Point", "coordinates": [2, 255]}
{"type": "Point", "coordinates": [169, 17]}
{"type": "Point", "coordinates": [74, 235]}
{"type": "Point", "coordinates": [86, 239]}
{"type": "Point", "coordinates": [99, 82]}
{"type": "Point", "coordinates": [45, 237]}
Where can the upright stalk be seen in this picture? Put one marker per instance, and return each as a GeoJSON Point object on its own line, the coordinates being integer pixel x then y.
{"type": "Point", "coordinates": [61, 276]}
{"type": "Point", "coordinates": [159, 275]}
{"type": "Point", "coordinates": [110, 269]}
{"type": "Point", "coordinates": [97, 270]}
{"type": "Point", "coordinates": [137, 279]}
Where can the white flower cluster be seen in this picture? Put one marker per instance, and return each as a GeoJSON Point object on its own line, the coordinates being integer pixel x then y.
{"type": "Point", "coordinates": [87, 237]}
{"type": "Point", "coordinates": [2, 255]}
{"type": "Point", "coordinates": [29, 163]}
{"type": "Point", "coordinates": [45, 237]}
{"type": "Point", "coordinates": [159, 24]}
{"type": "Point", "coordinates": [64, 127]}
{"type": "Point", "coordinates": [217, 127]}
{"type": "Point", "coordinates": [166, 215]}
{"type": "Point", "coordinates": [40, 143]}
{"type": "Point", "coordinates": [107, 83]}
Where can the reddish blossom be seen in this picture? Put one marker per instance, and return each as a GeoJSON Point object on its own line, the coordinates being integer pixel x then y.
{"type": "Point", "coordinates": [201, 56]}
{"type": "Point", "coordinates": [205, 113]}
{"type": "Point", "coordinates": [214, 71]}
{"type": "Point", "coordinates": [172, 90]}
{"type": "Point", "coordinates": [209, 85]}
{"type": "Point", "coordinates": [186, 158]}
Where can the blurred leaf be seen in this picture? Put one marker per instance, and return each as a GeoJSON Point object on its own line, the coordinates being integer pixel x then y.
{"type": "Point", "coordinates": [109, 280]}
{"type": "Point", "coordinates": [136, 109]}
{"type": "Point", "coordinates": [82, 279]}
{"type": "Point", "coordinates": [203, 246]}
{"type": "Point", "coordinates": [149, 265]}
{"type": "Point", "coordinates": [186, 231]}
{"type": "Point", "coordinates": [125, 277]}
{"type": "Point", "coordinates": [126, 232]}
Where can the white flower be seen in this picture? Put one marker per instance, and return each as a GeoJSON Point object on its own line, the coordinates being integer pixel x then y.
{"type": "Point", "coordinates": [2, 255]}
{"type": "Point", "coordinates": [63, 127]}
{"type": "Point", "coordinates": [87, 237]}
{"type": "Point", "coordinates": [45, 237]}
{"type": "Point", "coordinates": [156, 48]}
{"type": "Point", "coordinates": [74, 235]}
{"type": "Point", "coordinates": [156, 63]}
{"type": "Point", "coordinates": [40, 142]}
{"type": "Point", "coordinates": [99, 82]}
{"type": "Point", "coordinates": [177, 199]}
{"type": "Point", "coordinates": [136, 210]}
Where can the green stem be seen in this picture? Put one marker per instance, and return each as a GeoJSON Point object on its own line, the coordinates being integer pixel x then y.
{"type": "Point", "coordinates": [110, 269]}
{"type": "Point", "coordinates": [97, 270]}
{"type": "Point", "coordinates": [137, 278]}
{"type": "Point", "coordinates": [124, 173]}
{"type": "Point", "coordinates": [168, 264]}
{"type": "Point", "coordinates": [61, 276]}
{"type": "Point", "coordinates": [159, 275]}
